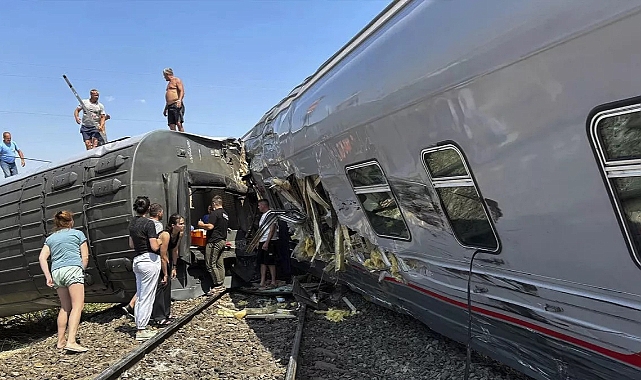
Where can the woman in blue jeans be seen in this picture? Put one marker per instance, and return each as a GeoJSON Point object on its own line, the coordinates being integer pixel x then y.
{"type": "Point", "coordinates": [69, 258]}
{"type": "Point", "coordinates": [143, 239]}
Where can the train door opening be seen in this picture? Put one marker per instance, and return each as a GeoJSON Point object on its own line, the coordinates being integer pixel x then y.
{"type": "Point", "coordinates": [190, 194]}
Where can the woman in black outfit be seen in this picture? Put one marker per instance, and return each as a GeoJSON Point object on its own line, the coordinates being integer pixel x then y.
{"type": "Point", "coordinates": [170, 239]}
{"type": "Point", "coordinates": [143, 239]}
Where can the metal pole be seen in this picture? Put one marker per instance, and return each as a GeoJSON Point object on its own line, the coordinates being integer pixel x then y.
{"type": "Point", "coordinates": [82, 104]}
{"type": "Point", "coordinates": [33, 159]}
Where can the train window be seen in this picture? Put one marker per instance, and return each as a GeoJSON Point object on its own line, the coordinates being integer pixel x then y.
{"type": "Point", "coordinates": [616, 135]}
{"type": "Point", "coordinates": [621, 136]}
{"type": "Point", "coordinates": [370, 175]}
{"type": "Point", "coordinates": [460, 198]}
{"type": "Point", "coordinates": [445, 163]}
{"type": "Point", "coordinates": [378, 201]}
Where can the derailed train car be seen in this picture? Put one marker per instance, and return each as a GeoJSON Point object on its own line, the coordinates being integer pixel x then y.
{"type": "Point", "coordinates": [494, 141]}
{"type": "Point", "coordinates": [180, 171]}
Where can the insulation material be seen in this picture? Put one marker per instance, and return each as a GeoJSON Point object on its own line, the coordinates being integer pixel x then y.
{"type": "Point", "coordinates": [375, 261]}
{"type": "Point", "coordinates": [240, 314]}
{"type": "Point", "coordinates": [284, 188]}
{"type": "Point", "coordinates": [394, 267]}
{"type": "Point", "coordinates": [335, 315]}
{"type": "Point", "coordinates": [305, 249]}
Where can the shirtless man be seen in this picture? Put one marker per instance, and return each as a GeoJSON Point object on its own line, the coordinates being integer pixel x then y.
{"type": "Point", "coordinates": [174, 107]}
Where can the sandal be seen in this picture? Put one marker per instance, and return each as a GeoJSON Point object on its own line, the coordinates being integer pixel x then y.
{"type": "Point", "coordinates": [215, 290]}
{"type": "Point", "coordinates": [78, 349]}
{"type": "Point", "coordinates": [164, 322]}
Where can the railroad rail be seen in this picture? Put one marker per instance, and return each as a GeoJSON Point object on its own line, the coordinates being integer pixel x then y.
{"type": "Point", "coordinates": [117, 369]}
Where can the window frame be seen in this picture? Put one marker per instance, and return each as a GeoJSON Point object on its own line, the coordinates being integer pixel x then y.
{"type": "Point", "coordinates": [377, 189]}
{"type": "Point", "coordinates": [459, 181]}
{"type": "Point", "coordinates": [615, 168]}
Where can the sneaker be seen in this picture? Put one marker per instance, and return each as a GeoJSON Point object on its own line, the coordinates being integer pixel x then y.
{"type": "Point", "coordinates": [129, 312]}
{"type": "Point", "coordinates": [142, 335]}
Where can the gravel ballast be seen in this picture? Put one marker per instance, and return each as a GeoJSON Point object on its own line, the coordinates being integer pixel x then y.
{"type": "Point", "coordinates": [375, 343]}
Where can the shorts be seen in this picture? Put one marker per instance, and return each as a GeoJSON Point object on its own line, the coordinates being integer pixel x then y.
{"type": "Point", "coordinates": [175, 115]}
{"type": "Point", "coordinates": [268, 257]}
{"type": "Point", "coordinates": [67, 276]}
{"type": "Point", "coordinates": [89, 133]}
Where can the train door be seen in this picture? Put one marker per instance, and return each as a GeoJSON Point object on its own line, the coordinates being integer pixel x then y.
{"type": "Point", "coordinates": [189, 193]}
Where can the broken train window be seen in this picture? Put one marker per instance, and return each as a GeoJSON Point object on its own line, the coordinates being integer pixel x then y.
{"type": "Point", "coordinates": [377, 200]}
{"type": "Point", "coordinates": [616, 135]}
{"type": "Point", "coordinates": [460, 198]}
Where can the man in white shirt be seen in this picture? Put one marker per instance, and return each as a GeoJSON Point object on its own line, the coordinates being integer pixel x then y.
{"type": "Point", "coordinates": [267, 248]}
{"type": "Point", "coordinates": [93, 119]}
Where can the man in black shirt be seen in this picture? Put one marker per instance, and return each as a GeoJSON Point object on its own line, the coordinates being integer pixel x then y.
{"type": "Point", "coordinates": [216, 239]}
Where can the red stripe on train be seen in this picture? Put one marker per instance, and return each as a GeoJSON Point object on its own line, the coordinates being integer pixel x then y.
{"type": "Point", "coordinates": [632, 359]}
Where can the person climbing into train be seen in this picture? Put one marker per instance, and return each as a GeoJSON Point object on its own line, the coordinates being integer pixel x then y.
{"type": "Point", "coordinates": [170, 237]}
{"type": "Point", "coordinates": [143, 239]}
{"type": "Point", "coordinates": [69, 258]}
{"type": "Point", "coordinates": [216, 239]}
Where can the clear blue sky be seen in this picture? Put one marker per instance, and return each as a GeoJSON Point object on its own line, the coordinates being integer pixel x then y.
{"type": "Point", "coordinates": [236, 58]}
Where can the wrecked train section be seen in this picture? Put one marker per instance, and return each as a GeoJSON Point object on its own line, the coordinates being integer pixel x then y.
{"type": "Point", "coordinates": [411, 171]}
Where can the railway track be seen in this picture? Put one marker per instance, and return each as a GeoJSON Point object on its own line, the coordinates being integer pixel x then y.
{"type": "Point", "coordinates": [132, 358]}
{"type": "Point", "coordinates": [374, 343]}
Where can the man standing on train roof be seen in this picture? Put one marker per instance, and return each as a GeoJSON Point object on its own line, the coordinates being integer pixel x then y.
{"type": "Point", "coordinates": [8, 151]}
{"type": "Point", "coordinates": [174, 106]}
{"type": "Point", "coordinates": [93, 119]}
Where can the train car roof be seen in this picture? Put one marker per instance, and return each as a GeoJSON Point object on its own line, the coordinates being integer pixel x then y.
{"type": "Point", "coordinates": [393, 8]}
{"type": "Point", "coordinates": [100, 151]}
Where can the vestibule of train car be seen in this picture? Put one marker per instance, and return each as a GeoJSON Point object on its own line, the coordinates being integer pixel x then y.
{"type": "Point", "coordinates": [190, 193]}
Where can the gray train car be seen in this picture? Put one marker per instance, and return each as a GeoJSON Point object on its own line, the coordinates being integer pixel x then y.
{"type": "Point", "coordinates": [180, 171]}
{"type": "Point", "coordinates": [502, 136]}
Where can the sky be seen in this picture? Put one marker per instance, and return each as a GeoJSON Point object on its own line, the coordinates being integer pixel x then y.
{"type": "Point", "coordinates": [236, 58]}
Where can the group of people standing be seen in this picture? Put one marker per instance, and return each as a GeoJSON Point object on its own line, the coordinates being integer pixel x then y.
{"type": "Point", "coordinates": [154, 265]}
{"type": "Point", "coordinates": [94, 117]}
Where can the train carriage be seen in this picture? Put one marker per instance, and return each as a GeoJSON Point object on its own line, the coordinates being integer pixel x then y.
{"type": "Point", "coordinates": [492, 141]}
{"type": "Point", "coordinates": [180, 171]}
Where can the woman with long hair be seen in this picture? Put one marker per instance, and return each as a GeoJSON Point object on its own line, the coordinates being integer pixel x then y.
{"type": "Point", "coordinates": [69, 258]}
{"type": "Point", "coordinates": [143, 239]}
{"type": "Point", "coordinates": [170, 238]}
